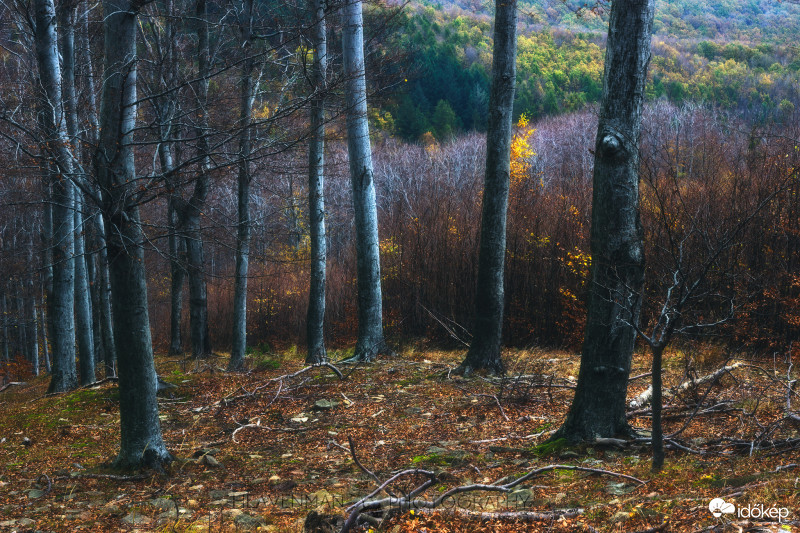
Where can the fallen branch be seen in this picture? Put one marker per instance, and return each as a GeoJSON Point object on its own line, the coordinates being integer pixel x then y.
{"type": "Point", "coordinates": [647, 396]}
{"type": "Point", "coordinates": [527, 516]}
{"type": "Point", "coordinates": [228, 400]}
{"type": "Point", "coordinates": [11, 384]}
{"type": "Point", "coordinates": [393, 504]}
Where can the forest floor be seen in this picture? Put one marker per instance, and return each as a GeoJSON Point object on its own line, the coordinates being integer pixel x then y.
{"type": "Point", "coordinates": [260, 451]}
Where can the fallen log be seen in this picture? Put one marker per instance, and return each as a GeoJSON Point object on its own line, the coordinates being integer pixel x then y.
{"type": "Point", "coordinates": [647, 396]}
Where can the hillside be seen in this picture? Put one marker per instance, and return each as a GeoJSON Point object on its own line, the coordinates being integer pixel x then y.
{"type": "Point", "coordinates": [734, 56]}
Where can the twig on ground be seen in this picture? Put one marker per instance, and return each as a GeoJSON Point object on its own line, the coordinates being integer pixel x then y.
{"type": "Point", "coordinates": [410, 501]}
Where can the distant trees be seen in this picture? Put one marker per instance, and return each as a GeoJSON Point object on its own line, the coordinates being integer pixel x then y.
{"type": "Point", "coordinates": [484, 351]}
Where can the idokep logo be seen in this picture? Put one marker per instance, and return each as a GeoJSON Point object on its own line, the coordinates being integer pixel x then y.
{"type": "Point", "coordinates": [718, 507]}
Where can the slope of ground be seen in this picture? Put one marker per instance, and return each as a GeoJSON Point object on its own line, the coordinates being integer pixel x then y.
{"type": "Point", "coordinates": [262, 451]}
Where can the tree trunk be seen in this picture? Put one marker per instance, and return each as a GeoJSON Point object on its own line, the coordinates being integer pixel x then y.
{"type": "Point", "coordinates": [34, 340]}
{"type": "Point", "coordinates": [106, 319]}
{"type": "Point", "coordinates": [83, 305]}
{"type": "Point", "coordinates": [22, 330]}
{"type": "Point", "coordinates": [64, 375]}
{"type": "Point", "coordinates": [484, 352]}
{"type": "Point", "coordinates": [94, 287]}
{"type": "Point", "coordinates": [83, 308]}
{"type": "Point", "coordinates": [5, 328]}
{"type": "Point", "coordinates": [45, 348]}
{"type": "Point", "coordinates": [598, 408]}
{"type": "Point", "coordinates": [47, 284]}
{"type": "Point", "coordinates": [368, 269]}
{"type": "Point", "coordinates": [198, 297]}
{"type": "Point", "coordinates": [177, 254]}
{"type": "Point", "coordinates": [141, 441]}
{"type": "Point", "coordinates": [657, 437]}
{"type": "Point", "coordinates": [315, 318]}
{"type": "Point", "coordinates": [247, 94]}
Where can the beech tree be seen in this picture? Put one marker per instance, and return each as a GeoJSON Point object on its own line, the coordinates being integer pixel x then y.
{"type": "Point", "coordinates": [246, 97]}
{"type": "Point", "coordinates": [315, 318]}
{"type": "Point", "coordinates": [484, 351]}
{"type": "Point", "coordinates": [368, 268]}
{"type": "Point", "coordinates": [617, 271]}
{"type": "Point", "coordinates": [141, 442]}
{"type": "Point", "coordinates": [63, 374]}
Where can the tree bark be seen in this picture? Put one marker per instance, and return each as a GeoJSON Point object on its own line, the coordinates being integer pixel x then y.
{"type": "Point", "coordinates": [44, 326]}
{"type": "Point", "coordinates": [247, 94]}
{"type": "Point", "coordinates": [141, 441]}
{"type": "Point", "coordinates": [190, 213]}
{"type": "Point", "coordinates": [64, 376]}
{"type": "Point", "coordinates": [315, 318]}
{"type": "Point", "coordinates": [598, 408]}
{"type": "Point", "coordinates": [177, 255]}
{"type": "Point", "coordinates": [83, 308]}
{"type": "Point", "coordinates": [484, 352]}
{"type": "Point", "coordinates": [34, 350]}
{"type": "Point", "coordinates": [5, 328]}
{"type": "Point", "coordinates": [83, 304]}
{"type": "Point", "coordinates": [368, 269]}
{"type": "Point", "coordinates": [657, 435]}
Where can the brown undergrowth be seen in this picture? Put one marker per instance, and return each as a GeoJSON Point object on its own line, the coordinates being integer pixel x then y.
{"type": "Point", "coordinates": [256, 453]}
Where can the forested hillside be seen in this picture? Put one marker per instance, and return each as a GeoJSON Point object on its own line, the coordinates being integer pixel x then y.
{"type": "Point", "coordinates": [732, 55]}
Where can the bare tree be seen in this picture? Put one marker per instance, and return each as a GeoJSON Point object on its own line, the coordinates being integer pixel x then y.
{"type": "Point", "coordinates": [141, 441]}
{"type": "Point", "coordinates": [247, 95]}
{"type": "Point", "coordinates": [315, 318]}
{"type": "Point", "coordinates": [64, 376]}
{"type": "Point", "coordinates": [484, 351]}
{"type": "Point", "coordinates": [368, 268]}
{"type": "Point", "coordinates": [598, 408]}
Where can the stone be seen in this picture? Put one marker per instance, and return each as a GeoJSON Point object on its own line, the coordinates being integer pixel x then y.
{"type": "Point", "coordinates": [209, 460]}
{"type": "Point", "coordinates": [246, 522]}
{"type": "Point", "coordinates": [163, 504]}
{"type": "Point", "coordinates": [136, 519]}
{"type": "Point", "coordinates": [324, 405]}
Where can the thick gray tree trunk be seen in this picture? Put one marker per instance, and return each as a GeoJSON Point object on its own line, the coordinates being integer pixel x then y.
{"type": "Point", "coordinates": [484, 352]}
{"type": "Point", "coordinates": [598, 408]}
{"type": "Point", "coordinates": [64, 376]}
{"type": "Point", "coordinates": [315, 318]}
{"type": "Point", "coordinates": [368, 268]}
{"type": "Point", "coordinates": [141, 441]}
{"type": "Point", "coordinates": [247, 95]}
